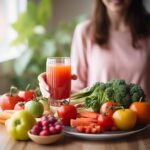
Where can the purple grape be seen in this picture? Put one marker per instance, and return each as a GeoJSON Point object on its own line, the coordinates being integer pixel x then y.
{"type": "Point", "coordinates": [52, 120]}
{"type": "Point", "coordinates": [39, 123]}
{"type": "Point", "coordinates": [45, 128]}
{"type": "Point", "coordinates": [45, 123]}
{"type": "Point", "coordinates": [58, 128]}
{"type": "Point", "coordinates": [44, 133]}
{"type": "Point", "coordinates": [44, 118]}
{"type": "Point", "coordinates": [57, 122]}
{"type": "Point", "coordinates": [52, 130]}
{"type": "Point", "coordinates": [35, 130]}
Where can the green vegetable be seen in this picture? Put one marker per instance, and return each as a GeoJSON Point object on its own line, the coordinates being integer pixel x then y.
{"type": "Point", "coordinates": [115, 90]}
{"type": "Point", "coordinates": [136, 92]}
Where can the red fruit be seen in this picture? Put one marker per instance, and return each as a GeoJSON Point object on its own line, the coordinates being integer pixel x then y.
{"type": "Point", "coordinates": [27, 95]}
{"type": "Point", "coordinates": [66, 113]}
{"type": "Point", "coordinates": [108, 108]}
{"type": "Point", "coordinates": [106, 122]}
{"type": "Point", "coordinates": [45, 123]}
{"type": "Point", "coordinates": [44, 133]}
{"type": "Point", "coordinates": [52, 130]}
{"type": "Point", "coordinates": [45, 128]}
{"type": "Point", "coordinates": [35, 130]}
{"type": "Point", "coordinates": [44, 118]}
{"type": "Point", "coordinates": [19, 106]}
{"type": "Point", "coordinates": [58, 128]}
{"type": "Point", "coordinates": [59, 123]}
{"type": "Point", "coordinates": [8, 101]}
{"type": "Point", "coordinates": [39, 123]}
{"type": "Point", "coordinates": [52, 119]}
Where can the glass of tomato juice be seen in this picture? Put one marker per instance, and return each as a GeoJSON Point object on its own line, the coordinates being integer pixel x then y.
{"type": "Point", "coordinates": [58, 75]}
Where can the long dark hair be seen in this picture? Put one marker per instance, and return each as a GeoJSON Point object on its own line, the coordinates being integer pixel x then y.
{"type": "Point", "coordinates": [137, 18]}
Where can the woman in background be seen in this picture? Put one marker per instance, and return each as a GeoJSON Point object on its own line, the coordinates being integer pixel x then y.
{"type": "Point", "coordinates": [114, 43]}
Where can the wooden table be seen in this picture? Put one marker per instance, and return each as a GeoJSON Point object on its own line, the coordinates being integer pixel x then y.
{"type": "Point", "coordinates": [140, 141]}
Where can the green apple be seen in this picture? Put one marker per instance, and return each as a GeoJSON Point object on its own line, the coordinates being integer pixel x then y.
{"type": "Point", "coordinates": [19, 124]}
{"type": "Point", "coordinates": [35, 108]}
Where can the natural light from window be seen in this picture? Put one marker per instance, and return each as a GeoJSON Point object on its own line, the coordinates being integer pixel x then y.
{"type": "Point", "coordinates": [9, 11]}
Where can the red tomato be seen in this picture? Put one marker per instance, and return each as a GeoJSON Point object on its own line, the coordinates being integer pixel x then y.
{"type": "Point", "coordinates": [19, 106]}
{"type": "Point", "coordinates": [26, 95]}
{"type": "Point", "coordinates": [8, 101]}
{"type": "Point", "coordinates": [106, 122]}
{"type": "Point", "coordinates": [108, 108]}
{"type": "Point", "coordinates": [66, 113]}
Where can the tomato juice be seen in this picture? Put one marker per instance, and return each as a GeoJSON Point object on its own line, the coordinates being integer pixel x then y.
{"type": "Point", "coordinates": [59, 80]}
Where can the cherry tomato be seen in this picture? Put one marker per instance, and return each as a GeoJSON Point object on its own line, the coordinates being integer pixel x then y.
{"type": "Point", "coordinates": [27, 95]}
{"type": "Point", "coordinates": [142, 110]}
{"type": "Point", "coordinates": [108, 108]}
{"type": "Point", "coordinates": [124, 119]}
{"type": "Point", "coordinates": [8, 101]}
{"type": "Point", "coordinates": [19, 106]}
{"type": "Point", "coordinates": [106, 122]}
{"type": "Point", "coordinates": [66, 113]}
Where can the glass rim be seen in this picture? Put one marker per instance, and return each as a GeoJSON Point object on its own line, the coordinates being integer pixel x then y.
{"type": "Point", "coordinates": [58, 58]}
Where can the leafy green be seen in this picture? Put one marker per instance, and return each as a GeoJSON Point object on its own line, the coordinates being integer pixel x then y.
{"type": "Point", "coordinates": [115, 90]}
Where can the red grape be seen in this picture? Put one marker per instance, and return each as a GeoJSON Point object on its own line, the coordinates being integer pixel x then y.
{"type": "Point", "coordinates": [44, 133]}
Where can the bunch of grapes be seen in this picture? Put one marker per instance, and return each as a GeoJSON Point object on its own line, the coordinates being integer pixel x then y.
{"type": "Point", "coordinates": [47, 125]}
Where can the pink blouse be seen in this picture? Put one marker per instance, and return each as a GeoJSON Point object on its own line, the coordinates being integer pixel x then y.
{"type": "Point", "coordinates": [92, 63]}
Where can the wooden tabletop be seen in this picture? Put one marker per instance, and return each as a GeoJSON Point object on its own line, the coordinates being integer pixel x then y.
{"type": "Point", "coordinates": [140, 141]}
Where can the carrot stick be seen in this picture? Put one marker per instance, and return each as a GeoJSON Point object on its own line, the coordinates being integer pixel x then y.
{"type": "Point", "coordinates": [87, 119]}
{"type": "Point", "coordinates": [10, 111]}
{"type": "Point", "coordinates": [76, 122]}
{"type": "Point", "coordinates": [89, 114]}
{"type": "Point", "coordinates": [89, 129]}
{"type": "Point", "coordinates": [2, 121]}
{"type": "Point", "coordinates": [4, 115]}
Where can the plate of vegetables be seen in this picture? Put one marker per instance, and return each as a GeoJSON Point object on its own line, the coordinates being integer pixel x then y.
{"type": "Point", "coordinates": [117, 109]}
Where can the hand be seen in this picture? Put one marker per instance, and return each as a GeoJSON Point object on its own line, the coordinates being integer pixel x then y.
{"type": "Point", "coordinates": [43, 85]}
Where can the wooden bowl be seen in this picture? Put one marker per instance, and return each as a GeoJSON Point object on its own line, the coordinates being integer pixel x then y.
{"type": "Point", "coordinates": [45, 139]}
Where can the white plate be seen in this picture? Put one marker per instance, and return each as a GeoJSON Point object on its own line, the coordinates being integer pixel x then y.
{"type": "Point", "coordinates": [102, 136]}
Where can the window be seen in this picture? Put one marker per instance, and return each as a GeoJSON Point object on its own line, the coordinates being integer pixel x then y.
{"type": "Point", "coordinates": [9, 11]}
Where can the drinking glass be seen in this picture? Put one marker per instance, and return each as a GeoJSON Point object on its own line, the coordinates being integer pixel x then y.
{"type": "Point", "coordinates": [58, 75]}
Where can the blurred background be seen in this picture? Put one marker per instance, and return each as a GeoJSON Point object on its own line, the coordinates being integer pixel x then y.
{"type": "Point", "coordinates": [31, 31]}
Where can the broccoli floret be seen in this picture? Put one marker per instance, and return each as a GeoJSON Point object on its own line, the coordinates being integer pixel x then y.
{"type": "Point", "coordinates": [108, 95]}
{"type": "Point", "coordinates": [116, 82]}
{"type": "Point", "coordinates": [121, 92]}
{"type": "Point", "coordinates": [136, 92]}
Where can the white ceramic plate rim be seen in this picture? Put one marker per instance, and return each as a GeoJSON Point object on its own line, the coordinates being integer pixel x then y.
{"type": "Point", "coordinates": [102, 136]}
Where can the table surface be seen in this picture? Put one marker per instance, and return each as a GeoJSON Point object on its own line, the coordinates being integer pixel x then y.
{"type": "Point", "coordinates": [140, 141]}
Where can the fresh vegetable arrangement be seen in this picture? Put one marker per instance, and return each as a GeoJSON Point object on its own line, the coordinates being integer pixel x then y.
{"type": "Point", "coordinates": [115, 90]}
{"type": "Point", "coordinates": [114, 105]}
{"type": "Point", "coordinates": [28, 100]}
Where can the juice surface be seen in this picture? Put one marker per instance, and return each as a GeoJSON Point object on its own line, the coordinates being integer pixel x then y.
{"type": "Point", "coordinates": [59, 80]}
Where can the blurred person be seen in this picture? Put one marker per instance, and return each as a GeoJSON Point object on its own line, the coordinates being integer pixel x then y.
{"type": "Point", "coordinates": [113, 44]}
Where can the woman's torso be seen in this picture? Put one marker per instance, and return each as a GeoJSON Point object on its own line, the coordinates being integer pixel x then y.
{"type": "Point", "coordinates": [119, 61]}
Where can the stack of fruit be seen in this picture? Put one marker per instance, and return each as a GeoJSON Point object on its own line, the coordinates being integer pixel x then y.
{"type": "Point", "coordinates": [20, 110]}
